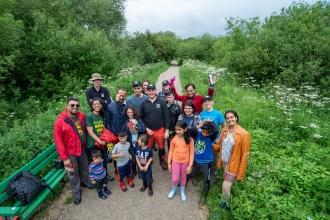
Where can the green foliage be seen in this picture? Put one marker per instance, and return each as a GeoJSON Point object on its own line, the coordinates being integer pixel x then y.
{"type": "Point", "coordinates": [288, 174]}
{"type": "Point", "coordinates": [290, 47]}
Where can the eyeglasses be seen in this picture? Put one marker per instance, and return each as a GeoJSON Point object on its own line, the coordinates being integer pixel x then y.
{"type": "Point", "coordinates": [73, 105]}
{"type": "Point", "coordinates": [96, 104]}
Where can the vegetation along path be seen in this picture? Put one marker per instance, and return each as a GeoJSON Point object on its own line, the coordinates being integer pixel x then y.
{"type": "Point", "coordinates": [133, 204]}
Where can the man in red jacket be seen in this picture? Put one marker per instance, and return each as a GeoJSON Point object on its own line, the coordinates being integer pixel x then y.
{"type": "Point", "coordinates": [70, 141]}
{"type": "Point", "coordinates": [192, 96]}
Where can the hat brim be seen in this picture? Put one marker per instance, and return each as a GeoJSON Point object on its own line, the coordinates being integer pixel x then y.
{"type": "Point", "coordinates": [96, 79]}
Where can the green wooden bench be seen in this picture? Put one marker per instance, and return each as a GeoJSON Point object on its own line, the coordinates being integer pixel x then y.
{"type": "Point", "coordinates": [52, 178]}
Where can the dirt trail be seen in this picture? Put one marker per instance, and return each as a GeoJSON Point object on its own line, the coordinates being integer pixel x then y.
{"type": "Point", "coordinates": [133, 204]}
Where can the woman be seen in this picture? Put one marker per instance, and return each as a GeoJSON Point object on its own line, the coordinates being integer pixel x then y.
{"type": "Point", "coordinates": [145, 84]}
{"type": "Point", "coordinates": [95, 123]}
{"type": "Point", "coordinates": [136, 127]}
{"type": "Point", "coordinates": [190, 116]}
{"type": "Point", "coordinates": [234, 147]}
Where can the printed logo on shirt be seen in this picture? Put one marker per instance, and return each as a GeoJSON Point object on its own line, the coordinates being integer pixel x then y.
{"type": "Point", "coordinates": [200, 147]}
{"type": "Point", "coordinates": [143, 157]}
{"type": "Point", "coordinates": [80, 132]}
{"type": "Point", "coordinates": [209, 118]}
{"type": "Point", "coordinates": [157, 105]}
{"type": "Point", "coordinates": [98, 126]}
{"type": "Point", "coordinates": [102, 95]}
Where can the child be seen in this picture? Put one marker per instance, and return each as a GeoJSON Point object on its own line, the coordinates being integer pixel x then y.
{"type": "Point", "coordinates": [182, 156]}
{"type": "Point", "coordinates": [144, 158]}
{"type": "Point", "coordinates": [124, 160]}
{"type": "Point", "coordinates": [97, 173]}
{"type": "Point", "coordinates": [203, 153]}
{"type": "Point", "coordinates": [174, 111]}
{"type": "Point", "coordinates": [190, 116]}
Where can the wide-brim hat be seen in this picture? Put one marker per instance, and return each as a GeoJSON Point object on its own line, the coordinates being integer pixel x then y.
{"type": "Point", "coordinates": [96, 76]}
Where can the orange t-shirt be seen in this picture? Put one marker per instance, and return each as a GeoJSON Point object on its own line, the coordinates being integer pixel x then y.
{"type": "Point", "coordinates": [180, 151]}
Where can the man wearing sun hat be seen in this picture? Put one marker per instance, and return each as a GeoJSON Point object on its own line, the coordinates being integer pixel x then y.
{"type": "Point", "coordinates": [98, 91]}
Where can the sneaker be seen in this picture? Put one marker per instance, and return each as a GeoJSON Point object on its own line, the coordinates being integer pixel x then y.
{"type": "Point", "coordinates": [110, 178]}
{"type": "Point", "coordinates": [87, 184]}
{"type": "Point", "coordinates": [164, 165]}
{"type": "Point", "coordinates": [76, 198]}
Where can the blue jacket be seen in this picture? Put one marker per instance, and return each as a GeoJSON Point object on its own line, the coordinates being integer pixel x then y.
{"type": "Point", "coordinates": [115, 117]}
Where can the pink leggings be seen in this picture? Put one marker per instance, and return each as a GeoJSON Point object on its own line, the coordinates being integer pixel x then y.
{"type": "Point", "coordinates": [179, 169]}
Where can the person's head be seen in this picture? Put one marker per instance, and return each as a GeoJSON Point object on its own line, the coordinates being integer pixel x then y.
{"type": "Point", "coordinates": [189, 108]}
{"type": "Point", "coordinates": [122, 136]}
{"type": "Point", "coordinates": [190, 90]}
{"type": "Point", "coordinates": [96, 156]}
{"type": "Point", "coordinates": [231, 117]}
{"type": "Point", "coordinates": [137, 88]}
{"type": "Point", "coordinates": [143, 140]}
{"type": "Point", "coordinates": [96, 79]}
{"type": "Point", "coordinates": [165, 85]}
{"type": "Point", "coordinates": [151, 91]}
{"type": "Point", "coordinates": [207, 128]}
{"type": "Point", "coordinates": [169, 96]}
{"type": "Point", "coordinates": [97, 106]}
{"type": "Point", "coordinates": [181, 129]}
{"type": "Point", "coordinates": [121, 94]}
{"type": "Point", "coordinates": [131, 112]}
{"type": "Point", "coordinates": [72, 106]}
{"type": "Point", "coordinates": [145, 83]}
{"type": "Point", "coordinates": [208, 102]}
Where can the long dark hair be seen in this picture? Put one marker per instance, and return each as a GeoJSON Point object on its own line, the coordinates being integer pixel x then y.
{"type": "Point", "coordinates": [234, 113]}
{"type": "Point", "coordinates": [102, 113]}
{"type": "Point", "coordinates": [134, 110]}
{"type": "Point", "coordinates": [182, 124]}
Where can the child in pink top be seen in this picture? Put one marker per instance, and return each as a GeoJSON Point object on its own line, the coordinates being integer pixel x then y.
{"type": "Point", "coordinates": [180, 158]}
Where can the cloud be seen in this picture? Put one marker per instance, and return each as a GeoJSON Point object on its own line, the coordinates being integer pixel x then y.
{"type": "Point", "coordinates": [188, 18]}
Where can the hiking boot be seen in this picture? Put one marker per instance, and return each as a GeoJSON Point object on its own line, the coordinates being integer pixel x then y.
{"type": "Point", "coordinates": [164, 165]}
{"type": "Point", "coordinates": [151, 193]}
{"type": "Point", "coordinates": [130, 183]}
{"type": "Point", "coordinates": [77, 198]}
{"type": "Point", "coordinates": [194, 181]}
{"type": "Point", "coordinates": [110, 178]}
{"type": "Point", "coordinates": [144, 187]}
{"type": "Point", "coordinates": [87, 184]}
{"type": "Point", "coordinates": [122, 186]}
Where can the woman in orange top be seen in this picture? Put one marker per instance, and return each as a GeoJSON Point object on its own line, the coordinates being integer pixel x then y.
{"type": "Point", "coordinates": [180, 158]}
{"type": "Point", "coordinates": [234, 148]}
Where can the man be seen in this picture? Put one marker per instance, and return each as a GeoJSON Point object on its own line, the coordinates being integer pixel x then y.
{"type": "Point", "coordinates": [155, 116]}
{"type": "Point", "coordinates": [138, 97]}
{"type": "Point", "coordinates": [191, 95]}
{"type": "Point", "coordinates": [165, 87]}
{"type": "Point", "coordinates": [98, 91]}
{"type": "Point", "coordinates": [209, 114]}
{"type": "Point", "coordinates": [70, 141]}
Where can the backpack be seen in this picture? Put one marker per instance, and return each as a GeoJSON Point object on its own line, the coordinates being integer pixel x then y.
{"type": "Point", "coordinates": [25, 187]}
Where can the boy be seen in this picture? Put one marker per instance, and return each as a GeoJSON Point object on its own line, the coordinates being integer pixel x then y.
{"type": "Point", "coordinates": [210, 114]}
{"type": "Point", "coordinates": [203, 153]}
{"type": "Point", "coordinates": [124, 160]}
{"type": "Point", "coordinates": [98, 175]}
{"type": "Point", "coordinates": [143, 159]}
{"type": "Point", "coordinates": [174, 111]}
{"type": "Point", "coordinates": [165, 87]}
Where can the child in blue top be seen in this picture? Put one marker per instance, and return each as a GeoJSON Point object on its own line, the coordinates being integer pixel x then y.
{"type": "Point", "coordinates": [203, 156]}
{"type": "Point", "coordinates": [97, 173]}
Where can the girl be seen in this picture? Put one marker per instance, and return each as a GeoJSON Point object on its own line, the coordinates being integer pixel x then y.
{"type": "Point", "coordinates": [180, 158]}
{"type": "Point", "coordinates": [190, 116]}
{"type": "Point", "coordinates": [136, 127]}
{"type": "Point", "coordinates": [95, 123]}
{"type": "Point", "coordinates": [234, 147]}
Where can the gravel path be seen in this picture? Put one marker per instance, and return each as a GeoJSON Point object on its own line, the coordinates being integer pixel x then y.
{"type": "Point", "coordinates": [133, 204]}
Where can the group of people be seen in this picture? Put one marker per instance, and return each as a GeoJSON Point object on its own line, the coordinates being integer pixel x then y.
{"type": "Point", "coordinates": [123, 131]}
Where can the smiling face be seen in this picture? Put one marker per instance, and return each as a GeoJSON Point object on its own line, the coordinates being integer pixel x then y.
{"type": "Point", "coordinates": [152, 93]}
{"type": "Point", "coordinates": [121, 95]}
{"type": "Point", "coordinates": [144, 85]}
{"type": "Point", "coordinates": [190, 91]}
{"type": "Point", "coordinates": [72, 108]}
{"type": "Point", "coordinates": [137, 90]}
{"type": "Point", "coordinates": [179, 131]}
{"type": "Point", "coordinates": [188, 111]}
{"type": "Point", "coordinates": [96, 105]}
{"type": "Point", "coordinates": [208, 104]}
{"type": "Point", "coordinates": [231, 119]}
{"type": "Point", "coordinates": [129, 113]}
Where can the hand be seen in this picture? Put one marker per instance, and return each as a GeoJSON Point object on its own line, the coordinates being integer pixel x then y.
{"type": "Point", "coordinates": [93, 182]}
{"type": "Point", "coordinates": [169, 167]}
{"type": "Point", "coordinates": [149, 132]}
{"type": "Point", "coordinates": [103, 143]}
{"type": "Point", "coordinates": [146, 168]}
{"type": "Point", "coordinates": [67, 162]}
{"type": "Point", "coordinates": [121, 154]}
{"type": "Point", "coordinates": [130, 157]}
{"type": "Point", "coordinates": [166, 135]}
{"type": "Point", "coordinates": [188, 170]}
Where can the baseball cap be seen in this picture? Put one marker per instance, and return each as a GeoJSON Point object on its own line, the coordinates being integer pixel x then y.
{"type": "Point", "coordinates": [207, 97]}
{"type": "Point", "coordinates": [136, 83]}
{"type": "Point", "coordinates": [151, 86]}
{"type": "Point", "coordinates": [165, 83]}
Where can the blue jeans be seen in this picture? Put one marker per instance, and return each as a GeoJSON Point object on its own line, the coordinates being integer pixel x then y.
{"type": "Point", "coordinates": [125, 170]}
{"type": "Point", "coordinates": [147, 175]}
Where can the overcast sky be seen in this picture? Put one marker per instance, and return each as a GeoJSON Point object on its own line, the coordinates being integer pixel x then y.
{"type": "Point", "coordinates": [190, 18]}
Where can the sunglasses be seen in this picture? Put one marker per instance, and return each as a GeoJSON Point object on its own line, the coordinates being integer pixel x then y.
{"type": "Point", "coordinates": [73, 105]}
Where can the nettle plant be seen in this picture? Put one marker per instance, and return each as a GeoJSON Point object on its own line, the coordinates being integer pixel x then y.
{"type": "Point", "coordinates": [288, 175]}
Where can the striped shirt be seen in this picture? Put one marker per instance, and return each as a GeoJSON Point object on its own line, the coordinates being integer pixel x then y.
{"type": "Point", "coordinates": [97, 171]}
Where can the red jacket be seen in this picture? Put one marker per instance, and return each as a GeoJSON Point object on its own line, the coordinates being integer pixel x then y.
{"type": "Point", "coordinates": [197, 100]}
{"type": "Point", "coordinates": [66, 136]}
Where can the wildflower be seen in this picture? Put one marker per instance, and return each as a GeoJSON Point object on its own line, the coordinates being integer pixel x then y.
{"type": "Point", "coordinates": [303, 127]}
{"type": "Point", "coordinates": [71, 93]}
{"type": "Point", "coordinates": [317, 136]}
{"type": "Point", "coordinates": [276, 87]}
{"type": "Point", "coordinates": [272, 118]}
{"type": "Point", "coordinates": [309, 111]}
{"type": "Point", "coordinates": [313, 125]}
